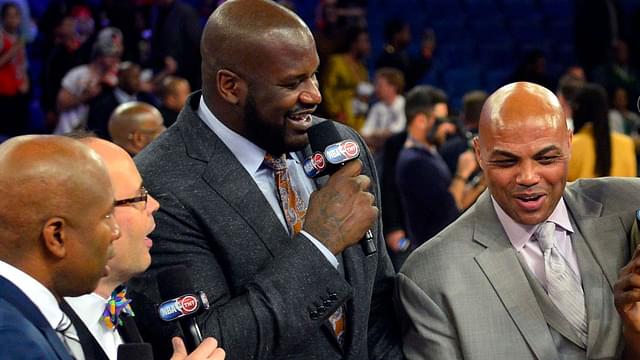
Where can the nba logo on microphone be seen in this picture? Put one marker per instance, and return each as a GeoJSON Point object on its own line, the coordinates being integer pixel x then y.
{"type": "Point", "coordinates": [178, 307]}
{"type": "Point", "coordinates": [341, 152]}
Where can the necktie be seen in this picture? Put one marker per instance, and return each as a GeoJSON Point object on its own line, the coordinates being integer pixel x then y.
{"type": "Point", "coordinates": [293, 206]}
{"type": "Point", "coordinates": [69, 336]}
{"type": "Point", "coordinates": [116, 304]}
{"type": "Point", "coordinates": [563, 287]}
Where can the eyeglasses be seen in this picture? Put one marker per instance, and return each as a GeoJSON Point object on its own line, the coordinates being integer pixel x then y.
{"type": "Point", "coordinates": [143, 197]}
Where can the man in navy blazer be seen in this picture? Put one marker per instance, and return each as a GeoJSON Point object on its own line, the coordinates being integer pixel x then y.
{"type": "Point", "coordinates": [56, 231]}
{"type": "Point", "coordinates": [274, 292]}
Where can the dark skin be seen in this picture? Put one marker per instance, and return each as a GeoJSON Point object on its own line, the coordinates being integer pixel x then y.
{"type": "Point", "coordinates": [259, 64]}
{"type": "Point", "coordinates": [55, 214]}
{"type": "Point", "coordinates": [626, 292]}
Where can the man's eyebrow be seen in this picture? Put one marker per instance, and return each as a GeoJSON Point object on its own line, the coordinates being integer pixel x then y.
{"type": "Point", "coordinates": [546, 150]}
{"type": "Point", "coordinates": [498, 152]}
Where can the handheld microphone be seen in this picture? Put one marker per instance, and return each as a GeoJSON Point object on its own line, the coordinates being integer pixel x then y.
{"type": "Point", "coordinates": [332, 151]}
{"type": "Point", "coordinates": [138, 351]}
{"type": "Point", "coordinates": [181, 303]}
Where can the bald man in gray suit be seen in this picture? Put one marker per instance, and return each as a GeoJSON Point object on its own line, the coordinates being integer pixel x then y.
{"type": "Point", "coordinates": [484, 288]}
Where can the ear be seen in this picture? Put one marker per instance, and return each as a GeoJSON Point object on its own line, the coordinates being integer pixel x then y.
{"type": "Point", "coordinates": [570, 141]}
{"type": "Point", "coordinates": [55, 236]}
{"type": "Point", "coordinates": [138, 140]}
{"type": "Point", "coordinates": [476, 150]}
{"type": "Point", "coordinates": [231, 87]}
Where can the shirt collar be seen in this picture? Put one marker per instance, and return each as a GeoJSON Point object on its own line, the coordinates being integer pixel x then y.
{"type": "Point", "coordinates": [41, 297]}
{"type": "Point", "coordinates": [89, 307]}
{"type": "Point", "coordinates": [520, 234]}
{"type": "Point", "coordinates": [248, 154]}
{"type": "Point", "coordinates": [122, 97]}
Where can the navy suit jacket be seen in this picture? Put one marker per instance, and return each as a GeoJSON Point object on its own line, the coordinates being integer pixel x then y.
{"type": "Point", "coordinates": [271, 295]}
{"type": "Point", "coordinates": [24, 332]}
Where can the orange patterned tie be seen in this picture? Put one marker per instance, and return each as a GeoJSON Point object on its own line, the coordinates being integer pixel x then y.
{"type": "Point", "coordinates": [292, 205]}
{"type": "Point", "coordinates": [294, 209]}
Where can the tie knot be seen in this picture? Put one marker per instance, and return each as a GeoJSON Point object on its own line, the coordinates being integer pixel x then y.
{"type": "Point", "coordinates": [545, 234]}
{"type": "Point", "coordinates": [276, 164]}
{"type": "Point", "coordinates": [116, 304]}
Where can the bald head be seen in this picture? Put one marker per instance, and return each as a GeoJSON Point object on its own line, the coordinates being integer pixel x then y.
{"type": "Point", "coordinates": [133, 125]}
{"type": "Point", "coordinates": [55, 201]}
{"type": "Point", "coordinates": [518, 105]}
{"type": "Point", "coordinates": [523, 148]}
{"type": "Point", "coordinates": [238, 32]}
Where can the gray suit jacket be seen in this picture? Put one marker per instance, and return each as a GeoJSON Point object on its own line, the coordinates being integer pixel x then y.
{"type": "Point", "coordinates": [464, 293]}
{"type": "Point", "coordinates": [271, 295]}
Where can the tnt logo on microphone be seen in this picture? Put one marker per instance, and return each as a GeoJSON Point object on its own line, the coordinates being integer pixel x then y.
{"type": "Point", "coordinates": [178, 307]}
{"type": "Point", "coordinates": [341, 152]}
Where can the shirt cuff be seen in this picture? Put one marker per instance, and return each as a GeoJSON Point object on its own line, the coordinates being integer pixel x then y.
{"type": "Point", "coordinates": [323, 249]}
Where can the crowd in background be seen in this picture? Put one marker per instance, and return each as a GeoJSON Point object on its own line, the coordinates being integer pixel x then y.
{"type": "Point", "coordinates": [123, 70]}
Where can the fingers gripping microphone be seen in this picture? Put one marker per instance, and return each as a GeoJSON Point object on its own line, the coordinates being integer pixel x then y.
{"type": "Point", "coordinates": [181, 303]}
{"type": "Point", "coordinates": [330, 151]}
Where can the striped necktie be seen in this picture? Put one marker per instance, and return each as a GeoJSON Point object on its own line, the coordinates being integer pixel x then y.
{"type": "Point", "coordinates": [563, 287]}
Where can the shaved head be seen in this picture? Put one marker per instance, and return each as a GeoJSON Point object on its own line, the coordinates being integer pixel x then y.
{"type": "Point", "coordinates": [55, 202]}
{"type": "Point", "coordinates": [133, 125]}
{"type": "Point", "coordinates": [524, 147]}
{"type": "Point", "coordinates": [235, 33]}
{"type": "Point", "coordinates": [515, 104]}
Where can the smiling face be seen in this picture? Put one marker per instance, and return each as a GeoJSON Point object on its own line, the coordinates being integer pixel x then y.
{"type": "Point", "coordinates": [524, 148]}
{"type": "Point", "coordinates": [283, 93]}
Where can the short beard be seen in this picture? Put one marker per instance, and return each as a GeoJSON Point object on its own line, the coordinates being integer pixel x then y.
{"type": "Point", "coordinates": [260, 132]}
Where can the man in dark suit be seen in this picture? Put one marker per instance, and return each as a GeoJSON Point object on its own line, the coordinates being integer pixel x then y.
{"type": "Point", "coordinates": [276, 292]}
{"type": "Point", "coordinates": [56, 231]}
{"type": "Point", "coordinates": [102, 327]}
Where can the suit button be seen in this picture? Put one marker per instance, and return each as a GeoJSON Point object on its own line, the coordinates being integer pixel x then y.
{"type": "Point", "coordinates": [322, 309]}
{"type": "Point", "coordinates": [314, 315]}
{"type": "Point", "coordinates": [333, 296]}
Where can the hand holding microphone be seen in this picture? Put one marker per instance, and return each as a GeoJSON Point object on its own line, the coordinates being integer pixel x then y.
{"type": "Point", "coordinates": [342, 212]}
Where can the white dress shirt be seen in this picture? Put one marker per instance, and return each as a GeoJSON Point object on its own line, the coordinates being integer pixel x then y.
{"type": "Point", "coordinates": [251, 157]}
{"type": "Point", "coordinates": [520, 236]}
{"type": "Point", "coordinates": [89, 309]}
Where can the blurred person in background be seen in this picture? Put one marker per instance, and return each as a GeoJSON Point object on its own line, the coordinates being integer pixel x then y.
{"type": "Point", "coordinates": [83, 83]}
{"type": "Point", "coordinates": [568, 87]}
{"type": "Point", "coordinates": [134, 125]}
{"type": "Point", "coordinates": [596, 151]}
{"type": "Point", "coordinates": [128, 89]}
{"type": "Point", "coordinates": [14, 79]}
{"type": "Point", "coordinates": [344, 73]}
{"type": "Point", "coordinates": [173, 96]}
{"type": "Point", "coordinates": [386, 117]}
{"type": "Point", "coordinates": [431, 196]}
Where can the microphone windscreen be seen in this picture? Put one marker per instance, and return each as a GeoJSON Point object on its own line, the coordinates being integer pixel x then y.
{"type": "Point", "coordinates": [174, 282]}
{"type": "Point", "coordinates": [138, 351]}
{"type": "Point", "coordinates": [322, 135]}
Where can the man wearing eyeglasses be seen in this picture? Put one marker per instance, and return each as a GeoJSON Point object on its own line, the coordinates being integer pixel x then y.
{"type": "Point", "coordinates": [105, 311]}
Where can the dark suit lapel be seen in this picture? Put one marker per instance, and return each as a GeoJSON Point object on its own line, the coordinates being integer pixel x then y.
{"type": "Point", "coordinates": [129, 330]}
{"type": "Point", "coordinates": [90, 347]}
{"type": "Point", "coordinates": [226, 176]}
{"type": "Point", "coordinates": [500, 265]}
{"type": "Point", "coordinates": [20, 301]}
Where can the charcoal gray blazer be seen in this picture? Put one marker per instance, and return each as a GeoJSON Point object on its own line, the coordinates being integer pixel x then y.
{"type": "Point", "coordinates": [271, 295]}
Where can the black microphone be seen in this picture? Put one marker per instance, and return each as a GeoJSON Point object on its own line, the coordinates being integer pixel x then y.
{"type": "Point", "coordinates": [138, 351]}
{"type": "Point", "coordinates": [182, 303]}
{"type": "Point", "coordinates": [326, 141]}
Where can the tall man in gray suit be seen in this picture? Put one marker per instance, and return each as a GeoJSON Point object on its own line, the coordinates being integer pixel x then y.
{"type": "Point", "coordinates": [276, 292]}
{"type": "Point", "coordinates": [527, 272]}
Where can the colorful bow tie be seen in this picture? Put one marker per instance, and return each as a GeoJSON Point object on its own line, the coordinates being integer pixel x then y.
{"type": "Point", "coordinates": [116, 304]}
